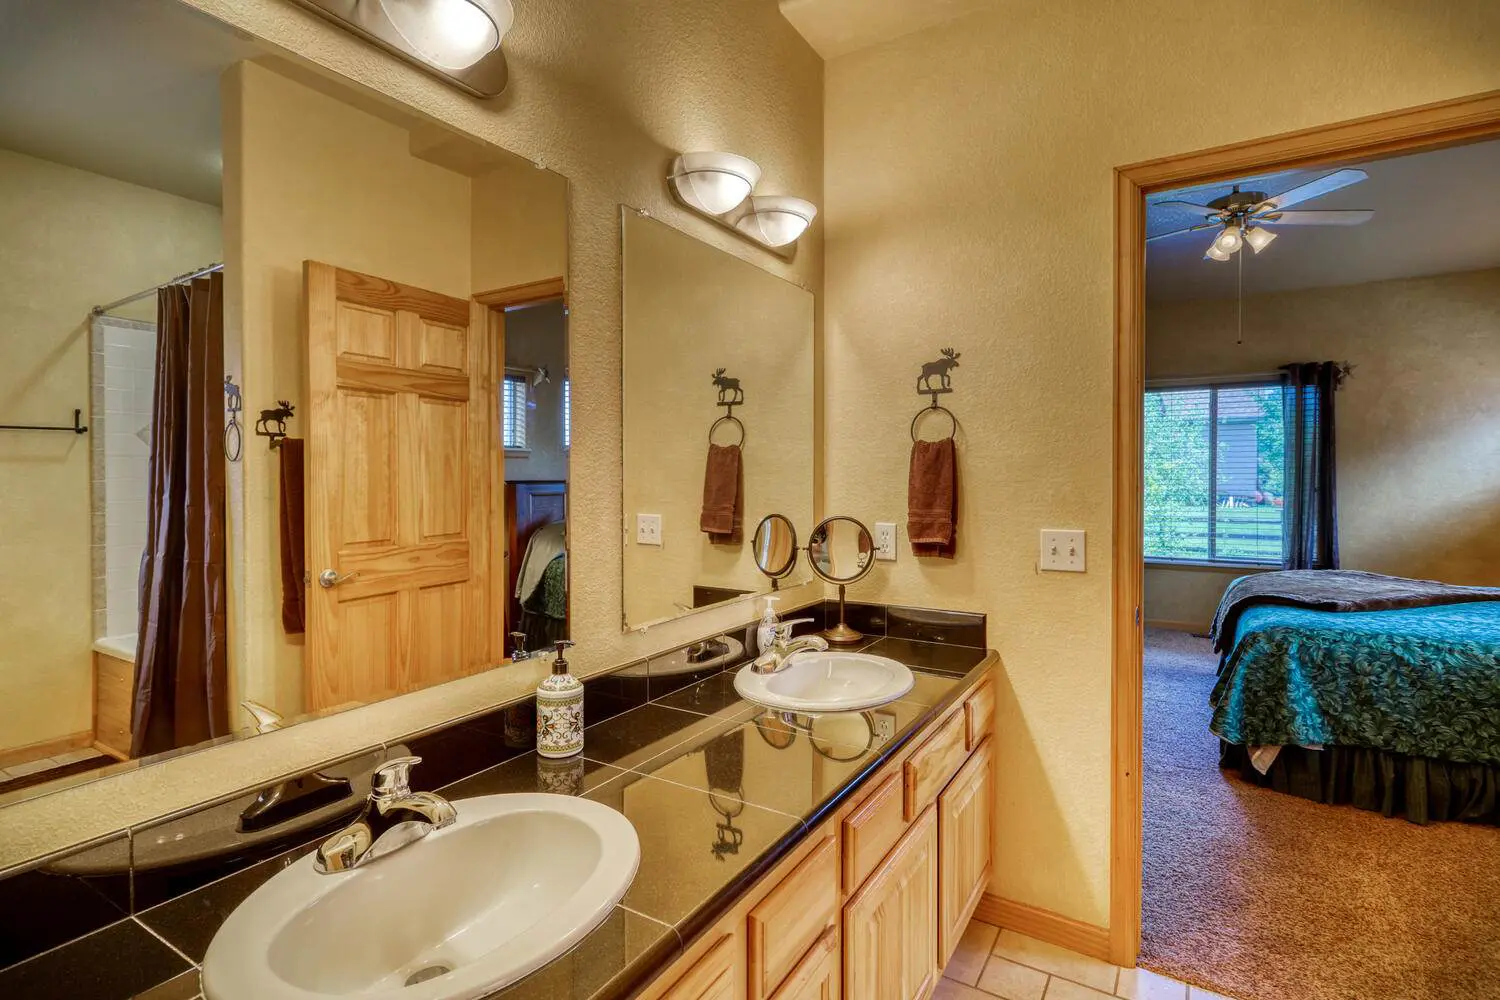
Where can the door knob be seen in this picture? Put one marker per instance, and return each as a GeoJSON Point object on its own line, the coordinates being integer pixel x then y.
{"type": "Point", "coordinates": [330, 578]}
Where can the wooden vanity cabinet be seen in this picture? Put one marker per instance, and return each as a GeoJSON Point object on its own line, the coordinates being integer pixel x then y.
{"type": "Point", "coordinates": [891, 924]}
{"type": "Point", "coordinates": [715, 976]}
{"type": "Point", "coordinates": [817, 977]}
{"type": "Point", "coordinates": [794, 917]}
{"type": "Point", "coordinates": [966, 811]}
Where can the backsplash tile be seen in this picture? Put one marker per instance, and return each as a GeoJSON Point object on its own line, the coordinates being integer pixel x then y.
{"type": "Point", "coordinates": [121, 960]}
{"type": "Point", "coordinates": [49, 906]}
{"type": "Point", "coordinates": [957, 628]}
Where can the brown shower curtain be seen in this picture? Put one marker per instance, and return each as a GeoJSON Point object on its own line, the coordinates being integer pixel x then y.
{"type": "Point", "coordinates": [181, 683]}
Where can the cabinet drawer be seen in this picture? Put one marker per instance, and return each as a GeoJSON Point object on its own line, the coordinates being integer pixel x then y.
{"type": "Point", "coordinates": [710, 978]}
{"type": "Point", "coordinates": [792, 918]}
{"type": "Point", "coordinates": [979, 713]}
{"type": "Point", "coordinates": [816, 977]}
{"type": "Point", "coordinates": [928, 769]}
{"type": "Point", "coordinates": [871, 830]}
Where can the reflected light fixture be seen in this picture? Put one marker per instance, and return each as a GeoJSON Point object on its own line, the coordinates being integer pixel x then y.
{"type": "Point", "coordinates": [1259, 238]}
{"type": "Point", "coordinates": [776, 220]}
{"type": "Point", "coordinates": [714, 183]}
{"type": "Point", "coordinates": [455, 40]}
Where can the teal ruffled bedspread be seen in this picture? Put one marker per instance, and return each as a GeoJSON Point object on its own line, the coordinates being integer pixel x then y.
{"type": "Point", "coordinates": [1420, 681]}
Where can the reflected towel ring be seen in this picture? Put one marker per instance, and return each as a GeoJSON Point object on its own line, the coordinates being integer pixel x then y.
{"type": "Point", "coordinates": [733, 420]}
{"type": "Point", "coordinates": [928, 409]}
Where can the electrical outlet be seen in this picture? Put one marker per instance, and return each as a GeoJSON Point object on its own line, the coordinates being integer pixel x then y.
{"type": "Point", "coordinates": [885, 541]}
{"type": "Point", "coordinates": [648, 529]}
{"type": "Point", "coordinates": [1062, 551]}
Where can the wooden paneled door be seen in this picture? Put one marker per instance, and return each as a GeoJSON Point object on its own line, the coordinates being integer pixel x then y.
{"type": "Point", "coordinates": [891, 924]}
{"type": "Point", "coordinates": [398, 488]}
{"type": "Point", "coordinates": [966, 812]}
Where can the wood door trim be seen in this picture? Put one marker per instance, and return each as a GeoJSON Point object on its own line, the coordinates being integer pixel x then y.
{"type": "Point", "coordinates": [387, 294]}
{"type": "Point", "coordinates": [530, 294]}
{"type": "Point", "coordinates": [1408, 130]}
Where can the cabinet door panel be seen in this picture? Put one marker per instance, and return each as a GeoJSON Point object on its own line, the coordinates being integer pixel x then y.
{"type": "Point", "coordinates": [712, 977]}
{"type": "Point", "coordinates": [965, 817]}
{"type": "Point", "coordinates": [891, 925]}
{"type": "Point", "coordinates": [816, 977]}
{"type": "Point", "coordinates": [793, 917]}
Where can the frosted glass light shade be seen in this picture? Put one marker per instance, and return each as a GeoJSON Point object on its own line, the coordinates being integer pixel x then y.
{"type": "Point", "coordinates": [714, 182]}
{"type": "Point", "coordinates": [450, 34]}
{"type": "Point", "coordinates": [1228, 241]}
{"type": "Point", "coordinates": [1214, 253]}
{"type": "Point", "coordinates": [776, 220]}
{"type": "Point", "coordinates": [1259, 238]}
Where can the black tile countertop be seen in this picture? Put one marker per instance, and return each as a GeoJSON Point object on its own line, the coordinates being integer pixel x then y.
{"type": "Point", "coordinates": [717, 789]}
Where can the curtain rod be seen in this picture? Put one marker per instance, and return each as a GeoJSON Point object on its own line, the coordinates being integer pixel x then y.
{"type": "Point", "coordinates": [189, 276]}
{"type": "Point", "coordinates": [1202, 380]}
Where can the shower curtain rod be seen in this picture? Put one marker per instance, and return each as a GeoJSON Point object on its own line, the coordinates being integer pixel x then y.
{"type": "Point", "coordinates": [189, 276]}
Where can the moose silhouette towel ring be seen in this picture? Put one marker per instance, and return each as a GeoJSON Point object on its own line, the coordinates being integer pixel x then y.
{"type": "Point", "coordinates": [731, 394]}
{"type": "Point", "coordinates": [941, 370]}
{"type": "Point", "coordinates": [272, 423]}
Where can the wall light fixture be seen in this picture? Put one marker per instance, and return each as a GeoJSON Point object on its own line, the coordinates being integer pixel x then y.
{"type": "Point", "coordinates": [776, 220]}
{"type": "Point", "coordinates": [455, 40]}
{"type": "Point", "coordinates": [720, 187]}
{"type": "Point", "coordinates": [714, 182]}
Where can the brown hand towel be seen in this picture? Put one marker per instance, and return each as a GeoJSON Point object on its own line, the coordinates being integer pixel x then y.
{"type": "Point", "coordinates": [293, 554]}
{"type": "Point", "coordinates": [723, 495]}
{"type": "Point", "coordinates": [932, 499]}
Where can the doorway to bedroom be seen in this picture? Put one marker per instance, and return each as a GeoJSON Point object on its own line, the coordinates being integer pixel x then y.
{"type": "Point", "coordinates": [1320, 500]}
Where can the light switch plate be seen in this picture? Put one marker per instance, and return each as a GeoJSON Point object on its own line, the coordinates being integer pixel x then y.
{"type": "Point", "coordinates": [885, 541]}
{"type": "Point", "coordinates": [648, 529]}
{"type": "Point", "coordinates": [1062, 551]}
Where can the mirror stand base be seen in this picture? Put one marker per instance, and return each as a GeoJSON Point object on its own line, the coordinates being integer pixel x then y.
{"type": "Point", "coordinates": [841, 634]}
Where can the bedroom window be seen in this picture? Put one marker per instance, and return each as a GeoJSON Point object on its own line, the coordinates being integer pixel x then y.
{"type": "Point", "coordinates": [1215, 473]}
{"type": "Point", "coordinates": [515, 400]}
{"type": "Point", "coordinates": [567, 413]}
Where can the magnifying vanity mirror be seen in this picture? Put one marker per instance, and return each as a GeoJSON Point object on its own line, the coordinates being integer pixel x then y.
{"type": "Point", "coordinates": [775, 546]}
{"type": "Point", "coordinates": [841, 551]}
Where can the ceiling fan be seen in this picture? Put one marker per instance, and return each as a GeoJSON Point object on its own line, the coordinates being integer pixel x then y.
{"type": "Point", "coordinates": [1241, 216]}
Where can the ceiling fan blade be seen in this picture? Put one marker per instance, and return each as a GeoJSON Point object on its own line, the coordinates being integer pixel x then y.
{"type": "Point", "coordinates": [1179, 232]}
{"type": "Point", "coordinates": [1205, 209]}
{"type": "Point", "coordinates": [1329, 217]}
{"type": "Point", "coordinates": [1327, 184]}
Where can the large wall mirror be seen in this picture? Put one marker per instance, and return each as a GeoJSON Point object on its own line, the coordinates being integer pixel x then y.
{"type": "Point", "coordinates": [718, 414]}
{"type": "Point", "coordinates": [377, 495]}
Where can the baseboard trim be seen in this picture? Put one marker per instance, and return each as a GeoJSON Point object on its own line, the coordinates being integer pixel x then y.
{"type": "Point", "coordinates": [1044, 925]}
{"type": "Point", "coordinates": [1172, 626]}
{"type": "Point", "coordinates": [46, 748]}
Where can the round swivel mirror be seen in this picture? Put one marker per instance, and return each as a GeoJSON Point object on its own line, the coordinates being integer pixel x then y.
{"type": "Point", "coordinates": [775, 547]}
{"type": "Point", "coordinates": [841, 551]}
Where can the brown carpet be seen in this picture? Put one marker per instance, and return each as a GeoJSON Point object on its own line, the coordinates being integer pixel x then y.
{"type": "Point", "coordinates": [1264, 896]}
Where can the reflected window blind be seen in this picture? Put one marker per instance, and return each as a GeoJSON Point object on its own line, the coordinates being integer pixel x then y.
{"type": "Point", "coordinates": [513, 401]}
{"type": "Point", "coordinates": [1215, 473]}
{"type": "Point", "coordinates": [567, 413]}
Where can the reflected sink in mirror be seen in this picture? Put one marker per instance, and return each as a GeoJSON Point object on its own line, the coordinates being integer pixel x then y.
{"type": "Point", "coordinates": [514, 883]}
{"type": "Point", "coordinates": [813, 682]}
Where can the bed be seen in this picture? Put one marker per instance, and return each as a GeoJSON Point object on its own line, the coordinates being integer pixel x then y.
{"type": "Point", "coordinates": [1395, 708]}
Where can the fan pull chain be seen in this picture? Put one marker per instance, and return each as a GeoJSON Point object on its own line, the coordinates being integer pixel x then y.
{"type": "Point", "coordinates": [1239, 300]}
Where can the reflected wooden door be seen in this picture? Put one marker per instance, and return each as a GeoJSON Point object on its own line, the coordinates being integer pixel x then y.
{"type": "Point", "coordinates": [397, 488]}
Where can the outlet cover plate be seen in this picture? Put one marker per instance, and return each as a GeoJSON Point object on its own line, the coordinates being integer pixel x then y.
{"type": "Point", "coordinates": [648, 529]}
{"type": "Point", "coordinates": [885, 541]}
{"type": "Point", "coordinates": [1062, 551]}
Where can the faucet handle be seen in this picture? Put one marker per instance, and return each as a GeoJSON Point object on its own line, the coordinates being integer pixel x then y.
{"type": "Point", "coordinates": [784, 629]}
{"type": "Point", "coordinates": [392, 780]}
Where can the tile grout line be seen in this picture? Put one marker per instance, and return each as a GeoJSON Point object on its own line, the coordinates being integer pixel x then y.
{"type": "Point", "coordinates": [176, 950]}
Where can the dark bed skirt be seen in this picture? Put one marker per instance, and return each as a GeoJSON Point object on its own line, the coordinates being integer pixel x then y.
{"type": "Point", "coordinates": [1422, 789]}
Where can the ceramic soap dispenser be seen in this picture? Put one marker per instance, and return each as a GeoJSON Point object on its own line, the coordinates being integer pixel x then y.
{"type": "Point", "coordinates": [559, 710]}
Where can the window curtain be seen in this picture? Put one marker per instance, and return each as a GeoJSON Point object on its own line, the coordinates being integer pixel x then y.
{"type": "Point", "coordinates": [1312, 533]}
{"type": "Point", "coordinates": [181, 683]}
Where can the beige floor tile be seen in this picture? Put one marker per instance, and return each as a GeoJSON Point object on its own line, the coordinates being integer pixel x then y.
{"type": "Point", "coordinates": [1143, 984]}
{"type": "Point", "coordinates": [1062, 989]}
{"type": "Point", "coordinates": [74, 756]}
{"type": "Point", "coordinates": [947, 989]}
{"type": "Point", "coordinates": [30, 767]}
{"type": "Point", "coordinates": [1004, 978]}
{"type": "Point", "coordinates": [973, 948]}
{"type": "Point", "coordinates": [1058, 961]}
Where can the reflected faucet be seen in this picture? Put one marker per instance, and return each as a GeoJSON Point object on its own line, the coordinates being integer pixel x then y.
{"type": "Point", "coordinates": [394, 817]}
{"type": "Point", "coordinates": [783, 647]}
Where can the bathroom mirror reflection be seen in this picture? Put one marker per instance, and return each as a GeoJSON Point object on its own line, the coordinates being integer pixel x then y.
{"type": "Point", "coordinates": [299, 473]}
{"type": "Point", "coordinates": [775, 545]}
{"type": "Point", "coordinates": [718, 419]}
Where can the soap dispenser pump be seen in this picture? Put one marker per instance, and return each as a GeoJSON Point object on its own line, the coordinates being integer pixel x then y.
{"type": "Point", "coordinates": [559, 710]}
{"type": "Point", "coordinates": [765, 635]}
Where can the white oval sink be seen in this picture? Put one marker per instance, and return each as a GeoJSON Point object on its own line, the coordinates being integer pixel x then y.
{"type": "Point", "coordinates": [515, 882]}
{"type": "Point", "coordinates": [826, 682]}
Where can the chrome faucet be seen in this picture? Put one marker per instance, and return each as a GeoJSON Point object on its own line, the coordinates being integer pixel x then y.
{"type": "Point", "coordinates": [518, 653]}
{"type": "Point", "coordinates": [394, 817]}
{"type": "Point", "coordinates": [783, 646]}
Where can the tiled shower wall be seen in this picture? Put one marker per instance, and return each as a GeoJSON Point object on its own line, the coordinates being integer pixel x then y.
{"type": "Point", "coordinates": [123, 371]}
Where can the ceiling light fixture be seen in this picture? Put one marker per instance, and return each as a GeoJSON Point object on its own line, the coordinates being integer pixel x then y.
{"type": "Point", "coordinates": [1259, 238]}
{"type": "Point", "coordinates": [714, 183]}
{"type": "Point", "coordinates": [456, 40]}
{"type": "Point", "coordinates": [1214, 253]}
{"type": "Point", "coordinates": [776, 220]}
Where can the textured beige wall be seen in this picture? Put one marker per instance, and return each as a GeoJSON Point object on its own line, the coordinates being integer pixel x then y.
{"type": "Point", "coordinates": [520, 226]}
{"type": "Point", "coordinates": [691, 309]}
{"type": "Point", "coordinates": [969, 201]}
{"type": "Point", "coordinates": [1418, 425]}
{"type": "Point", "coordinates": [604, 94]}
{"type": "Point", "coordinates": [308, 177]}
{"type": "Point", "coordinates": [69, 240]}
